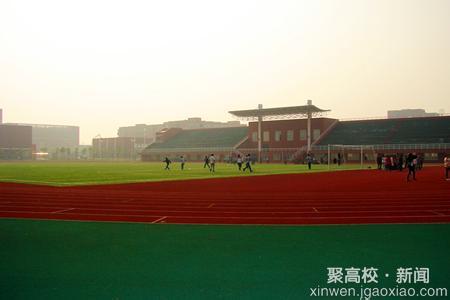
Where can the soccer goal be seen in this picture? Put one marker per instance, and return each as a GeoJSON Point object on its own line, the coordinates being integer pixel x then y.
{"type": "Point", "coordinates": [364, 155]}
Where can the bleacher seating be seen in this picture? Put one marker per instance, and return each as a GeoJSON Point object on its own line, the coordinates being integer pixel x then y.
{"type": "Point", "coordinates": [390, 131]}
{"type": "Point", "coordinates": [204, 138]}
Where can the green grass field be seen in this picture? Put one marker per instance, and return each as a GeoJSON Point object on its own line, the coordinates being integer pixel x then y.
{"type": "Point", "coordinates": [91, 260]}
{"type": "Point", "coordinates": [80, 173]}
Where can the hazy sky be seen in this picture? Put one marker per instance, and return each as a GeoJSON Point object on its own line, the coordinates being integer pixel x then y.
{"type": "Point", "coordinates": [104, 64]}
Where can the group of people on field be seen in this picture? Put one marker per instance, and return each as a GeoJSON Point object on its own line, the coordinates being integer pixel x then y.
{"type": "Point", "coordinates": [398, 161]}
{"type": "Point", "coordinates": [210, 163]}
{"type": "Point", "coordinates": [412, 162]}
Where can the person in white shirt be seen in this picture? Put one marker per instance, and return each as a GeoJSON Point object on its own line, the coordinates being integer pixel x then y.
{"type": "Point", "coordinates": [212, 163]}
{"type": "Point", "coordinates": [239, 162]}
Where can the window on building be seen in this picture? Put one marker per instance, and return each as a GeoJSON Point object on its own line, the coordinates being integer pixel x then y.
{"type": "Point", "coordinates": [255, 136]}
{"type": "Point", "coordinates": [266, 136]}
{"type": "Point", "coordinates": [290, 135]}
{"type": "Point", "coordinates": [316, 134]}
{"type": "Point", "coordinates": [303, 134]}
{"type": "Point", "coordinates": [277, 136]}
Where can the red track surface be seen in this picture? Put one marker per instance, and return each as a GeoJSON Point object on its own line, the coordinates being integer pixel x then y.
{"type": "Point", "coordinates": [348, 197]}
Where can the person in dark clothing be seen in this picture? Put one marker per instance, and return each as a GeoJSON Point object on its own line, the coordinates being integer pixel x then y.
{"type": "Point", "coordinates": [419, 162]}
{"type": "Point", "coordinates": [206, 160]}
{"type": "Point", "coordinates": [446, 166]}
{"type": "Point", "coordinates": [339, 160]}
{"type": "Point", "coordinates": [400, 162]}
{"type": "Point", "coordinates": [167, 161]}
{"type": "Point", "coordinates": [248, 162]}
{"type": "Point", "coordinates": [379, 161]}
{"type": "Point", "coordinates": [309, 160]}
{"type": "Point", "coordinates": [182, 161]}
{"type": "Point", "coordinates": [411, 161]}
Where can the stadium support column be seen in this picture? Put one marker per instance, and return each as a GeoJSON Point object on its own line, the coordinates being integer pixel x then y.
{"type": "Point", "coordinates": [329, 156]}
{"type": "Point", "coordinates": [362, 157]}
{"type": "Point", "coordinates": [259, 134]}
{"type": "Point", "coordinates": [309, 125]}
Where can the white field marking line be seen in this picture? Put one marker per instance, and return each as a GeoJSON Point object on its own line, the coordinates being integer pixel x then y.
{"type": "Point", "coordinates": [159, 220]}
{"type": "Point", "coordinates": [40, 212]}
{"type": "Point", "coordinates": [211, 205]}
{"type": "Point", "coordinates": [246, 218]}
{"type": "Point", "coordinates": [231, 224]}
{"type": "Point", "coordinates": [438, 213]}
{"type": "Point", "coordinates": [315, 209]}
{"type": "Point", "coordinates": [306, 218]}
{"type": "Point", "coordinates": [62, 210]}
{"type": "Point", "coordinates": [237, 218]}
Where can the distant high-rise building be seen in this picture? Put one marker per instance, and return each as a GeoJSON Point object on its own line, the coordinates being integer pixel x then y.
{"type": "Point", "coordinates": [54, 136]}
{"type": "Point", "coordinates": [15, 142]}
{"type": "Point", "coordinates": [1, 116]}
{"type": "Point", "coordinates": [409, 113]}
{"type": "Point", "coordinates": [149, 132]}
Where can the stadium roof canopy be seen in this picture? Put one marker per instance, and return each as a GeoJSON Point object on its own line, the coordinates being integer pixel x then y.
{"type": "Point", "coordinates": [290, 112]}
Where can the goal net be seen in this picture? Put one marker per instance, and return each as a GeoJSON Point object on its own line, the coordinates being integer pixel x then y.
{"type": "Point", "coordinates": [363, 155]}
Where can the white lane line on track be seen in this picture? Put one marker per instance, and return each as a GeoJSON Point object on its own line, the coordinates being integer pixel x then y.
{"type": "Point", "coordinates": [159, 220]}
{"type": "Point", "coordinates": [62, 210]}
{"type": "Point", "coordinates": [438, 213]}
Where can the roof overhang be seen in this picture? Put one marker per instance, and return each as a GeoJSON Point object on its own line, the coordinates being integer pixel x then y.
{"type": "Point", "coordinates": [290, 112]}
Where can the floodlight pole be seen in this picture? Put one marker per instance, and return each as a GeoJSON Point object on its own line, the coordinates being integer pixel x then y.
{"type": "Point", "coordinates": [362, 158]}
{"type": "Point", "coordinates": [309, 125]}
{"type": "Point", "coordinates": [260, 106]}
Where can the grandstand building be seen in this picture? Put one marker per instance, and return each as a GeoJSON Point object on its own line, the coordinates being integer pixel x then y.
{"type": "Point", "coordinates": [287, 140]}
{"type": "Point", "coordinates": [427, 136]}
{"type": "Point", "coordinates": [194, 144]}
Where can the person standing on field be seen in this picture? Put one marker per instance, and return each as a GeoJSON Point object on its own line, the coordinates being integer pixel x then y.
{"type": "Point", "coordinates": [309, 160]}
{"type": "Point", "coordinates": [239, 162]}
{"type": "Point", "coordinates": [167, 161]}
{"type": "Point", "coordinates": [379, 161]}
{"type": "Point", "coordinates": [206, 164]}
{"type": "Point", "coordinates": [183, 161]}
{"type": "Point", "coordinates": [411, 161]}
{"type": "Point", "coordinates": [212, 163]}
{"type": "Point", "coordinates": [400, 162]}
{"type": "Point", "coordinates": [248, 162]}
{"type": "Point", "coordinates": [446, 167]}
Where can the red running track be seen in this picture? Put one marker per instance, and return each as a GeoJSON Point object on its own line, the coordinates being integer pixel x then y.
{"type": "Point", "coordinates": [345, 197]}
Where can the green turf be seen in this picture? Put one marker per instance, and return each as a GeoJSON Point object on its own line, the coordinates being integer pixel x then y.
{"type": "Point", "coordinates": [88, 260]}
{"type": "Point", "coordinates": [78, 173]}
